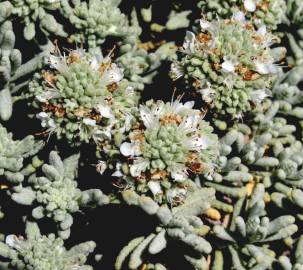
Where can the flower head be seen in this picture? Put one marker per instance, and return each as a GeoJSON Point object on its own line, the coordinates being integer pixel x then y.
{"type": "Point", "coordinates": [170, 143]}
{"type": "Point", "coordinates": [83, 96]}
{"type": "Point", "coordinates": [227, 62]}
{"type": "Point", "coordinates": [260, 12]}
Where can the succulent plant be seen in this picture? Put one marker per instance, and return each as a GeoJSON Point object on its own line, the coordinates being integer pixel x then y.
{"type": "Point", "coordinates": [83, 97]}
{"type": "Point", "coordinates": [33, 13]}
{"type": "Point", "coordinates": [96, 20]}
{"type": "Point", "coordinates": [268, 12]}
{"type": "Point", "coordinates": [56, 193]}
{"type": "Point", "coordinates": [214, 176]}
{"type": "Point", "coordinates": [167, 146]}
{"type": "Point", "coordinates": [13, 153]}
{"type": "Point", "coordinates": [38, 251]}
{"type": "Point", "coordinates": [230, 64]}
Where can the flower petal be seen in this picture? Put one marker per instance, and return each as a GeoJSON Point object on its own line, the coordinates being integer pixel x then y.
{"type": "Point", "coordinates": [189, 42]}
{"type": "Point", "coordinates": [139, 166]}
{"type": "Point", "coordinates": [89, 122]}
{"type": "Point", "coordinates": [176, 71]}
{"type": "Point", "coordinates": [104, 110]}
{"type": "Point", "coordinates": [179, 176]}
{"type": "Point", "coordinates": [204, 24]}
{"type": "Point", "coordinates": [147, 117]}
{"type": "Point", "coordinates": [239, 16]}
{"type": "Point", "coordinates": [12, 240]}
{"type": "Point", "coordinates": [250, 5]}
{"type": "Point", "coordinates": [266, 68]}
{"type": "Point", "coordinates": [58, 63]}
{"type": "Point", "coordinates": [154, 187]}
{"type": "Point", "coordinates": [101, 166]}
{"type": "Point", "coordinates": [259, 95]}
{"type": "Point", "coordinates": [129, 149]}
{"type": "Point", "coordinates": [228, 66]}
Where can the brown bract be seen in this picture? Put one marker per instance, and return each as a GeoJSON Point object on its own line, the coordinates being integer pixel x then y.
{"type": "Point", "coordinates": [57, 110]}
{"type": "Point", "coordinates": [49, 77]}
{"type": "Point", "coordinates": [170, 118]}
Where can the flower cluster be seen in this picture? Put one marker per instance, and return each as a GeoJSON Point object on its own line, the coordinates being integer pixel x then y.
{"type": "Point", "coordinates": [83, 97]}
{"type": "Point", "coordinates": [43, 252]}
{"type": "Point", "coordinates": [261, 12]}
{"type": "Point", "coordinates": [167, 145]}
{"type": "Point", "coordinates": [230, 64]}
{"type": "Point", "coordinates": [216, 171]}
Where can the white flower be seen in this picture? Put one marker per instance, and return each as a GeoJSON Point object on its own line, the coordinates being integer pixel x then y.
{"type": "Point", "coordinates": [46, 121]}
{"type": "Point", "coordinates": [101, 135]}
{"type": "Point", "coordinates": [47, 95]}
{"type": "Point", "coordinates": [12, 240]}
{"type": "Point", "coordinates": [259, 95]}
{"type": "Point", "coordinates": [156, 111]}
{"type": "Point", "coordinates": [104, 110]}
{"type": "Point", "coordinates": [175, 192]}
{"type": "Point", "coordinates": [250, 5]}
{"type": "Point", "coordinates": [114, 74]}
{"type": "Point", "coordinates": [228, 81]}
{"type": "Point", "coordinates": [154, 187]}
{"type": "Point", "coordinates": [95, 61]}
{"type": "Point", "coordinates": [266, 68]}
{"type": "Point", "coordinates": [128, 120]}
{"type": "Point", "coordinates": [147, 116]}
{"type": "Point", "coordinates": [189, 42]}
{"type": "Point", "coordinates": [89, 122]}
{"type": "Point", "coordinates": [204, 24]}
{"type": "Point", "coordinates": [196, 143]}
{"type": "Point", "coordinates": [118, 172]}
{"type": "Point", "coordinates": [179, 175]}
{"type": "Point", "coordinates": [178, 108]}
{"type": "Point", "coordinates": [140, 165]}
{"type": "Point", "coordinates": [239, 16]}
{"type": "Point", "coordinates": [262, 30]}
{"type": "Point", "coordinates": [101, 166]}
{"type": "Point", "coordinates": [189, 124]}
{"type": "Point", "coordinates": [208, 94]}
{"type": "Point", "coordinates": [58, 63]}
{"type": "Point", "coordinates": [79, 52]}
{"type": "Point", "coordinates": [227, 67]}
{"type": "Point", "coordinates": [130, 149]}
{"type": "Point", "coordinates": [176, 70]}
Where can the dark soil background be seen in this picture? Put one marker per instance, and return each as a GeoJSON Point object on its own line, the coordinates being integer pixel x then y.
{"type": "Point", "coordinates": [113, 226]}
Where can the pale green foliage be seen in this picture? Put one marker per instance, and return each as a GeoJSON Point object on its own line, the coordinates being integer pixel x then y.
{"type": "Point", "coordinates": [181, 223]}
{"type": "Point", "coordinates": [13, 153]}
{"type": "Point", "coordinates": [297, 264]}
{"type": "Point", "coordinates": [295, 12]}
{"type": "Point", "coordinates": [296, 46]}
{"type": "Point", "coordinates": [247, 235]}
{"type": "Point", "coordinates": [223, 180]}
{"type": "Point", "coordinates": [37, 251]}
{"type": "Point", "coordinates": [286, 87]}
{"type": "Point", "coordinates": [11, 69]}
{"type": "Point", "coordinates": [35, 13]}
{"type": "Point", "coordinates": [56, 193]}
{"type": "Point", "coordinates": [177, 18]}
{"type": "Point", "coordinates": [266, 12]}
{"type": "Point", "coordinates": [10, 60]}
{"type": "Point", "coordinates": [140, 66]}
{"type": "Point", "coordinates": [230, 64]}
{"type": "Point", "coordinates": [95, 20]}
